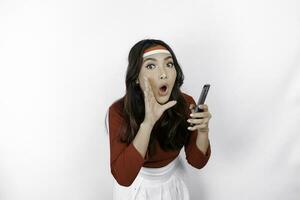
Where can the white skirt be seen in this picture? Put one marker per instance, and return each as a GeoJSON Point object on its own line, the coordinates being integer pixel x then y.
{"type": "Point", "coordinates": [162, 183]}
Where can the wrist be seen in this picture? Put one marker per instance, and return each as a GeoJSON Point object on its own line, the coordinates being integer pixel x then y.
{"type": "Point", "coordinates": [147, 124]}
{"type": "Point", "coordinates": [203, 134]}
{"type": "Point", "coordinates": [202, 138]}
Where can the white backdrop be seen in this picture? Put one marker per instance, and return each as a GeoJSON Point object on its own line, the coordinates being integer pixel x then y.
{"type": "Point", "coordinates": [63, 63]}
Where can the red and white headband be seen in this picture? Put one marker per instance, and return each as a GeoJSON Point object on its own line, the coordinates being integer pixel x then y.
{"type": "Point", "coordinates": [154, 50]}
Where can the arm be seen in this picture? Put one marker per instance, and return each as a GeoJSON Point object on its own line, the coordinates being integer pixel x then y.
{"type": "Point", "coordinates": [194, 156]}
{"type": "Point", "coordinates": [197, 148]}
{"type": "Point", "coordinates": [126, 160]}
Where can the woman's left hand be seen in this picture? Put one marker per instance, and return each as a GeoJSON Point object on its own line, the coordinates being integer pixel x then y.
{"type": "Point", "coordinates": [199, 119]}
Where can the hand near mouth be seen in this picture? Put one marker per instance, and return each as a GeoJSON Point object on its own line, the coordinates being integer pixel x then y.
{"type": "Point", "coordinates": [153, 110]}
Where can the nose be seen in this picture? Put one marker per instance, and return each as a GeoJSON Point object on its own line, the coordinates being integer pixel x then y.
{"type": "Point", "coordinates": [163, 74]}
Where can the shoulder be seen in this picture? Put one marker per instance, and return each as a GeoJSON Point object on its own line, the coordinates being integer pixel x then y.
{"type": "Point", "coordinates": [188, 98]}
{"type": "Point", "coordinates": [117, 107]}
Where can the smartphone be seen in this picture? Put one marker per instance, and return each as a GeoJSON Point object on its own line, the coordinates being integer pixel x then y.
{"type": "Point", "coordinates": [202, 98]}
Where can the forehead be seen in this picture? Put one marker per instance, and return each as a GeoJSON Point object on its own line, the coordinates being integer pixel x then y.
{"type": "Point", "coordinates": [157, 56]}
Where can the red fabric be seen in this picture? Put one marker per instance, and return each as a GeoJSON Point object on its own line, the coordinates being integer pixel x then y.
{"type": "Point", "coordinates": [126, 161]}
{"type": "Point", "coordinates": [155, 48]}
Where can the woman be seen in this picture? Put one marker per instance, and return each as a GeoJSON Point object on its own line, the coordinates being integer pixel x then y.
{"type": "Point", "coordinates": [150, 124]}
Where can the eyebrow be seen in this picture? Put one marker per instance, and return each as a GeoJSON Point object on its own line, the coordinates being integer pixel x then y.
{"type": "Point", "coordinates": [156, 59]}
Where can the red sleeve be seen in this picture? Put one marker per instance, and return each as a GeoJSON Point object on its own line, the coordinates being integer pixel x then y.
{"type": "Point", "coordinates": [125, 160]}
{"type": "Point", "coordinates": [194, 155]}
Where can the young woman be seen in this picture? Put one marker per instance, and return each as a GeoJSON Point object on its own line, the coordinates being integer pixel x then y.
{"type": "Point", "coordinates": [151, 123]}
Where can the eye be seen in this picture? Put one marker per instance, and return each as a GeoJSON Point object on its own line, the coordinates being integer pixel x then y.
{"type": "Point", "coordinates": [170, 64]}
{"type": "Point", "coordinates": [147, 66]}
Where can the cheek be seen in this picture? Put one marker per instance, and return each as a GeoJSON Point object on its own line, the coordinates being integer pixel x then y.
{"type": "Point", "coordinates": [173, 74]}
{"type": "Point", "coordinates": [149, 75]}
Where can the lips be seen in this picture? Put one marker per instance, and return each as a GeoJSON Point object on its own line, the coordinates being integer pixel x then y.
{"type": "Point", "coordinates": [163, 89]}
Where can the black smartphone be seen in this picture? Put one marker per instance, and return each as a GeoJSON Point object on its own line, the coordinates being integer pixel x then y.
{"type": "Point", "coordinates": [202, 98]}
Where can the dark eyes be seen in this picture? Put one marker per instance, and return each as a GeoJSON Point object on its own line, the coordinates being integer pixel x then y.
{"type": "Point", "coordinates": [169, 64]}
{"type": "Point", "coordinates": [172, 64]}
{"type": "Point", "coordinates": [147, 66]}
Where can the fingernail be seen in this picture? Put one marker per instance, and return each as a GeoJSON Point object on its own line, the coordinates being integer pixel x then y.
{"type": "Point", "coordinates": [191, 114]}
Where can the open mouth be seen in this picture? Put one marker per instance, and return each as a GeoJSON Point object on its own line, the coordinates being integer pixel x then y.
{"type": "Point", "coordinates": [163, 90]}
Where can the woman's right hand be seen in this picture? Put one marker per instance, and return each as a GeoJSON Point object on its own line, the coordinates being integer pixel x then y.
{"type": "Point", "coordinates": [153, 110]}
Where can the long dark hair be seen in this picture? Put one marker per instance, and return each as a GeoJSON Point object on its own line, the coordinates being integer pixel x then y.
{"type": "Point", "coordinates": [171, 129]}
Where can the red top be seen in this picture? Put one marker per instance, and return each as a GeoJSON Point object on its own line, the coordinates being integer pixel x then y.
{"type": "Point", "coordinates": [126, 161]}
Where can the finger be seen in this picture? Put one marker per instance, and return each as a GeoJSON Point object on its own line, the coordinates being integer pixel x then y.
{"type": "Point", "coordinates": [146, 86]}
{"type": "Point", "coordinates": [204, 107]}
{"type": "Point", "coordinates": [150, 90]}
{"type": "Point", "coordinates": [196, 121]}
{"type": "Point", "coordinates": [192, 108]}
{"type": "Point", "coordinates": [168, 105]}
{"type": "Point", "coordinates": [145, 83]}
{"type": "Point", "coordinates": [147, 95]}
{"type": "Point", "coordinates": [200, 114]}
{"type": "Point", "coordinates": [206, 120]}
{"type": "Point", "coordinates": [201, 126]}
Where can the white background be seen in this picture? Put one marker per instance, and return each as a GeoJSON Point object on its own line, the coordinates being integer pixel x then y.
{"type": "Point", "coordinates": [63, 63]}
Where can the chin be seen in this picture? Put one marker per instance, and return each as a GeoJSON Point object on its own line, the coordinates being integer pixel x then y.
{"type": "Point", "coordinates": [163, 100]}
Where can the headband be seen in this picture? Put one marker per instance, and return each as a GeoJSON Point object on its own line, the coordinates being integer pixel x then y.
{"type": "Point", "coordinates": [154, 50]}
